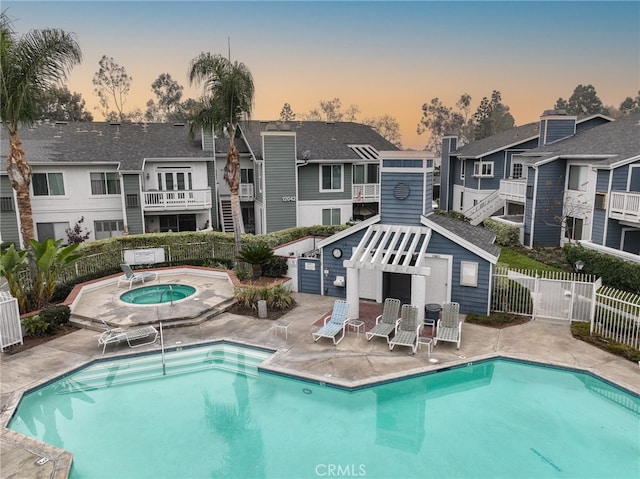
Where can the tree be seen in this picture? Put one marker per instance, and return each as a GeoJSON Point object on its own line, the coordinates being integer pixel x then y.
{"type": "Point", "coordinates": [169, 94]}
{"type": "Point", "coordinates": [331, 109]}
{"type": "Point", "coordinates": [59, 104]}
{"type": "Point", "coordinates": [583, 101]}
{"type": "Point", "coordinates": [29, 67]}
{"type": "Point", "coordinates": [491, 117]}
{"type": "Point", "coordinates": [287, 114]}
{"type": "Point", "coordinates": [439, 119]}
{"type": "Point", "coordinates": [112, 84]}
{"type": "Point", "coordinates": [77, 234]}
{"type": "Point", "coordinates": [387, 127]}
{"type": "Point", "coordinates": [351, 113]}
{"type": "Point", "coordinates": [230, 91]}
{"type": "Point", "coordinates": [630, 105]}
{"type": "Point", "coordinates": [49, 258]}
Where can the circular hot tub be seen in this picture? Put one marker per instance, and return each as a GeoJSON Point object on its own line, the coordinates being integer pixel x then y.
{"type": "Point", "coordinates": [158, 294]}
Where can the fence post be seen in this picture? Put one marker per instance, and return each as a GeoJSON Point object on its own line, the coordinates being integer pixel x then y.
{"type": "Point", "coordinates": [536, 288]}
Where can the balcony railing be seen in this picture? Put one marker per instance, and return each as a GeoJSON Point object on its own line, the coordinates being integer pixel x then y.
{"type": "Point", "coordinates": [513, 190]}
{"type": "Point", "coordinates": [176, 200]}
{"type": "Point", "coordinates": [366, 192]}
{"type": "Point", "coordinates": [625, 206]}
{"type": "Point", "coordinates": [246, 192]}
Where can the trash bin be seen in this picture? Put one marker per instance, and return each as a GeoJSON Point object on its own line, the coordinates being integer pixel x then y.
{"type": "Point", "coordinates": [432, 311]}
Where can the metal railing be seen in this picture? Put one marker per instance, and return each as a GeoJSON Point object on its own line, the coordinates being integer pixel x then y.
{"type": "Point", "coordinates": [617, 316]}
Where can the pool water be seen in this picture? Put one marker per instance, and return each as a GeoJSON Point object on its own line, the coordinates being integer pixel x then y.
{"type": "Point", "coordinates": [214, 414]}
{"type": "Point", "coordinates": [157, 294]}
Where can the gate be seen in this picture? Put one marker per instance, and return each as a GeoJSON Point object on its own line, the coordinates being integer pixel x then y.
{"type": "Point", "coordinates": [309, 276]}
{"type": "Point", "coordinates": [10, 325]}
{"type": "Point", "coordinates": [545, 294]}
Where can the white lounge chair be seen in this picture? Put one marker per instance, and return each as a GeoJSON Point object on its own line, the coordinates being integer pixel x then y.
{"type": "Point", "coordinates": [133, 277]}
{"type": "Point", "coordinates": [131, 336]}
{"type": "Point", "coordinates": [407, 329]}
{"type": "Point", "coordinates": [386, 323]}
{"type": "Point", "coordinates": [334, 323]}
{"type": "Point", "coordinates": [449, 327]}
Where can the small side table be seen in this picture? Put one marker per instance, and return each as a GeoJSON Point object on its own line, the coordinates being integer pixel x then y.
{"type": "Point", "coordinates": [355, 325]}
{"type": "Point", "coordinates": [428, 342]}
{"type": "Point", "coordinates": [432, 323]}
{"type": "Point", "coordinates": [282, 326]}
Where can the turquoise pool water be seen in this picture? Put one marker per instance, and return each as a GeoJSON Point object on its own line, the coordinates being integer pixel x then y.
{"type": "Point", "coordinates": [215, 415]}
{"type": "Point", "coordinates": [157, 294]}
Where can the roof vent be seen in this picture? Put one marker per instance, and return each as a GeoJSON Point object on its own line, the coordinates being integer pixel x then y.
{"type": "Point", "coordinates": [114, 123]}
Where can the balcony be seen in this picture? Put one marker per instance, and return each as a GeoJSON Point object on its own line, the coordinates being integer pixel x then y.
{"type": "Point", "coordinates": [513, 190]}
{"type": "Point", "coordinates": [624, 206]}
{"type": "Point", "coordinates": [176, 200]}
{"type": "Point", "coordinates": [246, 192]}
{"type": "Point", "coordinates": [366, 192]}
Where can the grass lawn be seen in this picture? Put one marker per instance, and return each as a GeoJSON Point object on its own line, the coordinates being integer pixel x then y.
{"type": "Point", "coordinates": [517, 260]}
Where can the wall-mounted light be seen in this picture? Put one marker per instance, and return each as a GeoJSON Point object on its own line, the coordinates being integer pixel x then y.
{"type": "Point", "coordinates": [326, 272]}
{"type": "Point", "coordinates": [147, 176]}
{"type": "Point", "coordinates": [579, 265]}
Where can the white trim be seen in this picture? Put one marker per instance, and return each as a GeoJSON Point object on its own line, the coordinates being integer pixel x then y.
{"type": "Point", "coordinates": [479, 165]}
{"type": "Point", "coordinates": [331, 190]}
{"type": "Point", "coordinates": [534, 202]}
{"type": "Point", "coordinates": [629, 175]}
{"type": "Point", "coordinates": [501, 148]}
{"type": "Point", "coordinates": [457, 239]}
{"type": "Point", "coordinates": [610, 251]}
{"type": "Point", "coordinates": [348, 232]}
{"type": "Point", "coordinates": [622, 237]}
{"type": "Point", "coordinates": [608, 208]}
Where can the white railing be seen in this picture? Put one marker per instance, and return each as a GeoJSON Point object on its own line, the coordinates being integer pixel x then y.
{"type": "Point", "coordinates": [246, 192]}
{"type": "Point", "coordinates": [625, 206]}
{"type": "Point", "coordinates": [484, 208]}
{"type": "Point", "coordinates": [10, 325]}
{"type": "Point", "coordinates": [513, 190]}
{"type": "Point", "coordinates": [617, 316]}
{"type": "Point", "coordinates": [366, 192]}
{"type": "Point", "coordinates": [176, 200]}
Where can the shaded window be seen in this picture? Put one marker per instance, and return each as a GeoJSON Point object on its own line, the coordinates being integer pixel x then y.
{"type": "Point", "coordinates": [132, 200]}
{"type": "Point", "coordinates": [573, 228]}
{"type": "Point", "coordinates": [47, 184]}
{"type": "Point", "coordinates": [331, 178]}
{"type": "Point", "coordinates": [105, 184]}
{"type": "Point", "coordinates": [331, 216]}
{"type": "Point", "coordinates": [600, 202]}
{"type": "Point", "coordinates": [108, 228]}
{"type": "Point", "coordinates": [577, 178]}
{"type": "Point", "coordinates": [6, 203]}
{"type": "Point", "coordinates": [55, 231]}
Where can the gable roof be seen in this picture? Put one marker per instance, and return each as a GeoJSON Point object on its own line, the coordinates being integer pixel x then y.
{"type": "Point", "coordinates": [127, 144]}
{"type": "Point", "coordinates": [317, 140]}
{"type": "Point", "coordinates": [609, 144]}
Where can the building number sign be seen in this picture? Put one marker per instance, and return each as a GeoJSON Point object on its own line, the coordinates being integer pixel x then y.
{"type": "Point", "coordinates": [288, 198]}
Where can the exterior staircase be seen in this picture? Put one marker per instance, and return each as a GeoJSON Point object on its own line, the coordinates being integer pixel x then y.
{"type": "Point", "coordinates": [485, 208]}
{"type": "Point", "coordinates": [225, 215]}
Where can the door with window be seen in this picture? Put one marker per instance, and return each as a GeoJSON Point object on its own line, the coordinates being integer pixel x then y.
{"type": "Point", "coordinates": [175, 179]}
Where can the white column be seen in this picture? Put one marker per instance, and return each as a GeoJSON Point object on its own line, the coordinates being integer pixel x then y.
{"type": "Point", "coordinates": [353, 296]}
{"type": "Point", "coordinates": [418, 292]}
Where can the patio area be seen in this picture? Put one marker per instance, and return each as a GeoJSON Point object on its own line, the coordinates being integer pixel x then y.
{"type": "Point", "coordinates": [354, 362]}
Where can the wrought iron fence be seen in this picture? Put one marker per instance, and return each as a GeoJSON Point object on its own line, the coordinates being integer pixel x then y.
{"type": "Point", "coordinates": [617, 316]}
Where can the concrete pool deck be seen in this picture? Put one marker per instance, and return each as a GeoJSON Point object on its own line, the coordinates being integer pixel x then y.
{"type": "Point", "coordinates": [354, 362]}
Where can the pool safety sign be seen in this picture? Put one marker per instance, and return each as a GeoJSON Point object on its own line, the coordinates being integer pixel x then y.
{"type": "Point", "coordinates": [144, 256]}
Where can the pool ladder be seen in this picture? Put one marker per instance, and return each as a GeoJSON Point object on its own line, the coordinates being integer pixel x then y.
{"type": "Point", "coordinates": [170, 294]}
{"type": "Point", "coordinates": [164, 364]}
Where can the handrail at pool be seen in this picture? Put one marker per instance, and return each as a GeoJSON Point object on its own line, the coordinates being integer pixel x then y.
{"type": "Point", "coordinates": [164, 366]}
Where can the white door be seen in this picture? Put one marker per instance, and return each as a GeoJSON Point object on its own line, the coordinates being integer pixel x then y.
{"type": "Point", "coordinates": [438, 283]}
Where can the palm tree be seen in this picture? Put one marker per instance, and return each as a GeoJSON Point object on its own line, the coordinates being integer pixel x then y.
{"type": "Point", "coordinates": [29, 67]}
{"type": "Point", "coordinates": [230, 96]}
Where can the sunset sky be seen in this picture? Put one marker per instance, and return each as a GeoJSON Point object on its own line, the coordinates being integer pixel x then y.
{"type": "Point", "coordinates": [387, 57]}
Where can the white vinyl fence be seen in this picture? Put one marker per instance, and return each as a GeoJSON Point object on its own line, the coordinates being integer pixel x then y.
{"type": "Point", "coordinates": [545, 294]}
{"type": "Point", "coordinates": [617, 316]}
{"type": "Point", "coordinates": [10, 326]}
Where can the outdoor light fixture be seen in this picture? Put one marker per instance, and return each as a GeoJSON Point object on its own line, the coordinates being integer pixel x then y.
{"type": "Point", "coordinates": [326, 272]}
{"type": "Point", "coordinates": [579, 265]}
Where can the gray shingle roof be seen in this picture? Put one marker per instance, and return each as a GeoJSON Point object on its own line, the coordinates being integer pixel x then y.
{"type": "Point", "coordinates": [619, 140]}
{"type": "Point", "coordinates": [480, 237]}
{"type": "Point", "coordinates": [127, 144]}
{"type": "Point", "coordinates": [501, 140]}
{"type": "Point", "coordinates": [323, 141]}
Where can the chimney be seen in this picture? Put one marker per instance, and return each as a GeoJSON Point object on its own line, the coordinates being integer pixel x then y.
{"type": "Point", "coordinates": [556, 125]}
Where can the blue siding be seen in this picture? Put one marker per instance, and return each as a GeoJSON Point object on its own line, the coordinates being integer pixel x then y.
{"type": "Point", "coordinates": [634, 183]}
{"type": "Point", "coordinates": [600, 215]}
{"type": "Point", "coordinates": [619, 181]}
{"type": "Point", "coordinates": [309, 279]}
{"type": "Point", "coordinates": [528, 206]}
{"type": "Point", "coordinates": [558, 129]}
{"type": "Point", "coordinates": [401, 212]}
{"type": "Point", "coordinates": [586, 125]}
{"type": "Point", "coordinates": [134, 213]}
{"type": "Point", "coordinates": [602, 181]}
{"type": "Point", "coordinates": [335, 266]}
{"type": "Point", "coordinates": [280, 181]}
{"type": "Point", "coordinates": [9, 219]}
{"type": "Point", "coordinates": [614, 234]}
{"type": "Point", "coordinates": [549, 202]}
{"type": "Point", "coordinates": [473, 300]}
{"type": "Point", "coordinates": [449, 144]}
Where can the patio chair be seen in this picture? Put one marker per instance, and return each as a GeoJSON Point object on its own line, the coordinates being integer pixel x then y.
{"type": "Point", "coordinates": [407, 329]}
{"type": "Point", "coordinates": [387, 321]}
{"type": "Point", "coordinates": [449, 327]}
{"type": "Point", "coordinates": [335, 323]}
{"type": "Point", "coordinates": [131, 336]}
{"type": "Point", "coordinates": [133, 277]}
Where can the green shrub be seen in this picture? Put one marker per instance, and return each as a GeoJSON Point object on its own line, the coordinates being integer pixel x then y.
{"type": "Point", "coordinates": [277, 297]}
{"type": "Point", "coordinates": [242, 272]}
{"type": "Point", "coordinates": [34, 325]}
{"type": "Point", "coordinates": [512, 297]}
{"type": "Point", "coordinates": [55, 316]}
{"type": "Point", "coordinates": [580, 330]}
{"type": "Point", "coordinates": [276, 267]}
{"type": "Point", "coordinates": [614, 272]}
{"type": "Point", "coordinates": [256, 255]}
{"type": "Point", "coordinates": [506, 235]}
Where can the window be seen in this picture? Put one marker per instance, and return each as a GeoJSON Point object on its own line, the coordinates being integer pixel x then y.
{"type": "Point", "coordinates": [246, 175]}
{"type": "Point", "coordinates": [47, 184]}
{"type": "Point", "coordinates": [461, 200]}
{"type": "Point", "coordinates": [6, 203]}
{"type": "Point", "coordinates": [174, 178]}
{"type": "Point", "coordinates": [462, 169]}
{"type": "Point", "coordinates": [108, 228]}
{"type": "Point", "coordinates": [132, 200]}
{"type": "Point", "coordinates": [483, 169]}
{"type": "Point", "coordinates": [516, 171]}
{"type": "Point", "coordinates": [331, 178]}
{"type": "Point", "coordinates": [573, 228]}
{"type": "Point", "coordinates": [577, 178]}
{"type": "Point", "coordinates": [331, 216]}
{"type": "Point", "coordinates": [52, 230]}
{"type": "Point", "coordinates": [468, 273]}
{"type": "Point", "coordinates": [105, 184]}
{"type": "Point", "coordinates": [365, 173]}
{"type": "Point", "coordinates": [530, 191]}
{"type": "Point", "coordinates": [600, 201]}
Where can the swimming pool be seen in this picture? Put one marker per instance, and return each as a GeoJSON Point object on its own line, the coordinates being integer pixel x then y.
{"type": "Point", "coordinates": [215, 414]}
{"type": "Point", "coordinates": [157, 294]}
